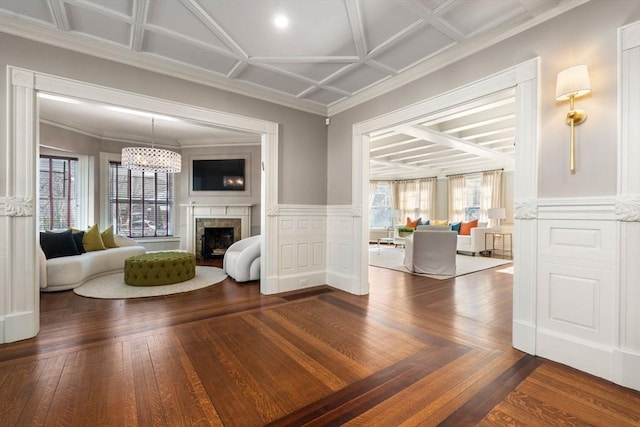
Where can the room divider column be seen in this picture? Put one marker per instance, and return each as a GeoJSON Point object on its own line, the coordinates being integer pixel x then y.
{"type": "Point", "coordinates": [20, 307]}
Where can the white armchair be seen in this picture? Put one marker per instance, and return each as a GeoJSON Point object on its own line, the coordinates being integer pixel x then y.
{"type": "Point", "coordinates": [431, 252]}
{"type": "Point", "coordinates": [242, 259]}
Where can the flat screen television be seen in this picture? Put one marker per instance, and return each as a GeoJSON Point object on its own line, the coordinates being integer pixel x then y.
{"type": "Point", "coordinates": [218, 175]}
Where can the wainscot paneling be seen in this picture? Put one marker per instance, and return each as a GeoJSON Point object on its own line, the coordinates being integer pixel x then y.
{"type": "Point", "coordinates": [302, 232]}
{"type": "Point", "coordinates": [577, 290]}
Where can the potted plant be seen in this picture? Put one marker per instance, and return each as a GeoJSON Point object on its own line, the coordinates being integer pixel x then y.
{"type": "Point", "coordinates": [405, 231]}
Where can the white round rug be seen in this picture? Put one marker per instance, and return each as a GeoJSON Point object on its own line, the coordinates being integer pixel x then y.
{"type": "Point", "coordinates": [112, 286]}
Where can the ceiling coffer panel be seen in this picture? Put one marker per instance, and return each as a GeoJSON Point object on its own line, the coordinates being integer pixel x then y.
{"type": "Point", "coordinates": [180, 51]}
{"type": "Point", "coordinates": [325, 97]}
{"type": "Point", "coordinates": [277, 81]}
{"type": "Point", "coordinates": [316, 28]}
{"type": "Point", "coordinates": [35, 10]}
{"type": "Point", "coordinates": [125, 7]}
{"type": "Point", "coordinates": [473, 17]}
{"type": "Point", "coordinates": [385, 20]}
{"type": "Point", "coordinates": [99, 25]}
{"type": "Point", "coordinates": [358, 78]}
{"type": "Point", "coordinates": [174, 16]}
{"type": "Point", "coordinates": [421, 44]}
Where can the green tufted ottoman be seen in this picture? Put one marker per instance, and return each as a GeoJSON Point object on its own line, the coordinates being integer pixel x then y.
{"type": "Point", "coordinates": [159, 268]}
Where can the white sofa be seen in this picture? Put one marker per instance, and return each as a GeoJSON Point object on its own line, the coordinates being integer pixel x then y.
{"type": "Point", "coordinates": [60, 274]}
{"type": "Point", "coordinates": [472, 244]}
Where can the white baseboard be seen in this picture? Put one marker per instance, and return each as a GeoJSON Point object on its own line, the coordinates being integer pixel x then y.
{"type": "Point", "coordinates": [344, 282]}
{"type": "Point", "coordinates": [19, 326]}
{"type": "Point", "coordinates": [584, 355]}
{"type": "Point", "coordinates": [626, 368]}
{"type": "Point", "coordinates": [300, 280]}
{"type": "Point", "coordinates": [524, 336]}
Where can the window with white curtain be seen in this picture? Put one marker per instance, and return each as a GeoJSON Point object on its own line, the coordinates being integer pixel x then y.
{"type": "Point", "coordinates": [380, 205]}
{"type": "Point", "coordinates": [472, 196]}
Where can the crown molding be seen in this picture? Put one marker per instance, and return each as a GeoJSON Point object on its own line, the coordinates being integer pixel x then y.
{"type": "Point", "coordinates": [116, 53]}
{"type": "Point", "coordinates": [447, 57]}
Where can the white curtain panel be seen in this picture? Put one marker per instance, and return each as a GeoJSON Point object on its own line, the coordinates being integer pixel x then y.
{"type": "Point", "coordinates": [427, 196]}
{"type": "Point", "coordinates": [491, 196]}
{"type": "Point", "coordinates": [373, 186]}
{"type": "Point", "coordinates": [456, 198]}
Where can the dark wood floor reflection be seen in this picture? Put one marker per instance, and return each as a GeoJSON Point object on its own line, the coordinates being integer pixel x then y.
{"type": "Point", "coordinates": [416, 351]}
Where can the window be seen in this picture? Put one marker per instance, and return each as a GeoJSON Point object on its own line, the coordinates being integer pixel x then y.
{"type": "Point", "coordinates": [381, 210]}
{"type": "Point", "coordinates": [472, 194]}
{"type": "Point", "coordinates": [140, 204]}
{"type": "Point", "coordinates": [58, 183]}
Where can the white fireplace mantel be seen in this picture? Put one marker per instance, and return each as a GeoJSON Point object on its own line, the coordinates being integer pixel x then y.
{"type": "Point", "coordinates": [205, 210]}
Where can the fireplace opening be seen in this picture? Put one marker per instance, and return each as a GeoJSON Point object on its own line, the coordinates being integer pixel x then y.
{"type": "Point", "coordinates": [216, 241]}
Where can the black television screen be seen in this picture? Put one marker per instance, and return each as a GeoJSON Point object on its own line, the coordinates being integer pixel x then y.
{"type": "Point", "coordinates": [218, 175]}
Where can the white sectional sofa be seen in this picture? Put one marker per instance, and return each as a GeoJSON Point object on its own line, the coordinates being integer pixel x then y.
{"type": "Point", "coordinates": [59, 274]}
{"type": "Point", "coordinates": [472, 244]}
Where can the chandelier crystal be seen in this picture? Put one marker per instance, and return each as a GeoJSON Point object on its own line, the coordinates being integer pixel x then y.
{"type": "Point", "coordinates": [151, 159]}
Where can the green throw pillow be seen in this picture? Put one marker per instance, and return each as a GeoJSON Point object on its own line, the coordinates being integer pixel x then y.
{"type": "Point", "coordinates": [108, 239]}
{"type": "Point", "coordinates": [92, 241]}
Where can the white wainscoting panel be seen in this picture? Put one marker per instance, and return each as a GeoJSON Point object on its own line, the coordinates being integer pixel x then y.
{"type": "Point", "coordinates": [344, 249]}
{"type": "Point", "coordinates": [577, 292]}
{"type": "Point", "coordinates": [302, 232]}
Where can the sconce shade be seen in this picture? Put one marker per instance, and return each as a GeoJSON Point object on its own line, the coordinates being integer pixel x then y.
{"type": "Point", "coordinates": [572, 81]}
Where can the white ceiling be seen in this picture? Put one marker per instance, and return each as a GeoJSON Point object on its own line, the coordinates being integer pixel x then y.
{"type": "Point", "coordinates": [333, 55]}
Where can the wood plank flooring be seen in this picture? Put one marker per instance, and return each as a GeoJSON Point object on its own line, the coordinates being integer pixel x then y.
{"type": "Point", "coordinates": [416, 351]}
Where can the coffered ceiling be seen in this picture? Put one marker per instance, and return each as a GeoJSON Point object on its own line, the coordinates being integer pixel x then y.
{"type": "Point", "coordinates": [330, 55]}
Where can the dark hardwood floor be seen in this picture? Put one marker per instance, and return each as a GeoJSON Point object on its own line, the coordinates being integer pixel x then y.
{"type": "Point", "coordinates": [416, 351]}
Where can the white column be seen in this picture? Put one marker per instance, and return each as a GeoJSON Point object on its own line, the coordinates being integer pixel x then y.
{"type": "Point", "coordinates": [19, 284]}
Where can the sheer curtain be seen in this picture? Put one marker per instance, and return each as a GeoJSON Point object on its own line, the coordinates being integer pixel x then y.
{"type": "Point", "coordinates": [404, 200]}
{"type": "Point", "coordinates": [491, 192]}
{"type": "Point", "coordinates": [427, 198]}
{"type": "Point", "coordinates": [456, 198]}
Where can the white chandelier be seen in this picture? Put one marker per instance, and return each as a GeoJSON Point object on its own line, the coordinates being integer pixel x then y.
{"type": "Point", "coordinates": [151, 159]}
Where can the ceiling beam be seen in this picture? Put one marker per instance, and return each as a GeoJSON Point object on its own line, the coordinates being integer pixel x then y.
{"type": "Point", "coordinates": [456, 143]}
{"type": "Point", "coordinates": [426, 171]}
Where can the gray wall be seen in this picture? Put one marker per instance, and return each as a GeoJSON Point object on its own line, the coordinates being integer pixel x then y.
{"type": "Point", "coordinates": [584, 35]}
{"type": "Point", "coordinates": [302, 136]}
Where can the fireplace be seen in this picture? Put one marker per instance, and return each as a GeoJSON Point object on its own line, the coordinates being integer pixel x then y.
{"type": "Point", "coordinates": [214, 235]}
{"type": "Point", "coordinates": [216, 241]}
{"type": "Point", "coordinates": [200, 216]}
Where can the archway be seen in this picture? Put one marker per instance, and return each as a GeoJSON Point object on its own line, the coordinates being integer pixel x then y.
{"type": "Point", "coordinates": [524, 78]}
{"type": "Point", "coordinates": [20, 282]}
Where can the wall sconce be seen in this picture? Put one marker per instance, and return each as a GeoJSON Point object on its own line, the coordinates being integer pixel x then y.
{"type": "Point", "coordinates": [571, 84]}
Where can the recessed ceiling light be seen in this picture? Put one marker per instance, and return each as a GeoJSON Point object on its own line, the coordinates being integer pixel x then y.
{"type": "Point", "coordinates": [281, 21]}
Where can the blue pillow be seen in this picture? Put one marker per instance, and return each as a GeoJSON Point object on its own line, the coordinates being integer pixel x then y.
{"type": "Point", "coordinates": [455, 226]}
{"type": "Point", "coordinates": [59, 244]}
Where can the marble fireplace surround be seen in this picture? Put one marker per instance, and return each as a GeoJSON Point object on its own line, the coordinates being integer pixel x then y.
{"type": "Point", "coordinates": [202, 215]}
